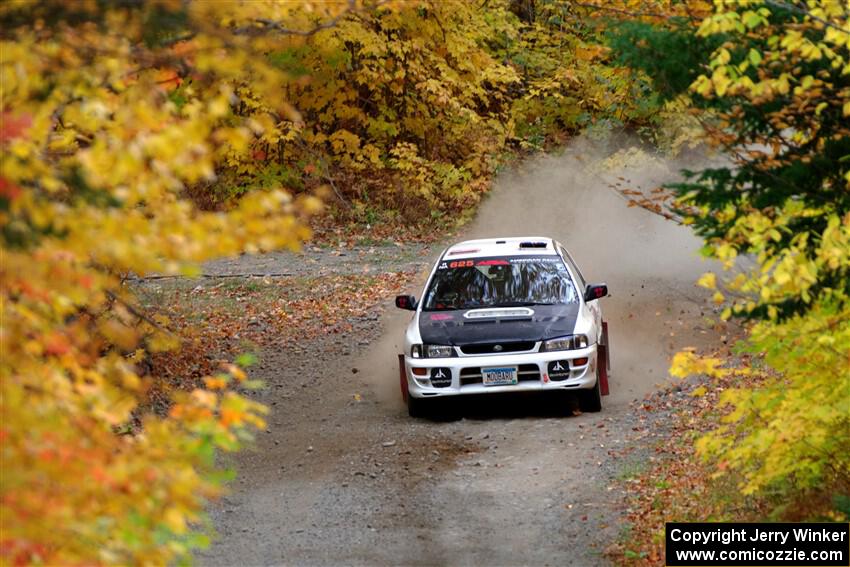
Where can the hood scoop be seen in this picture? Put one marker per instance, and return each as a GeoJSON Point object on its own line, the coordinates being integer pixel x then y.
{"type": "Point", "coordinates": [476, 315]}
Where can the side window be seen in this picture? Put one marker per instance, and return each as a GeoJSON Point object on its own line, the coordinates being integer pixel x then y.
{"type": "Point", "coordinates": [573, 268]}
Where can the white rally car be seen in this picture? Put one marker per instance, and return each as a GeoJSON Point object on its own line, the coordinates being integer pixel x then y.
{"type": "Point", "coordinates": [505, 315]}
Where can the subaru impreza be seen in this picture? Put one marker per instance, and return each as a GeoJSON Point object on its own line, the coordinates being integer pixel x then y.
{"type": "Point", "coordinates": [505, 315]}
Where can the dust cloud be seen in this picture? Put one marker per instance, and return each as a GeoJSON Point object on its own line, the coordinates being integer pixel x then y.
{"type": "Point", "coordinates": [650, 264]}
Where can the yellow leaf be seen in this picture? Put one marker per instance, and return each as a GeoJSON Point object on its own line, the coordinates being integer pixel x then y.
{"type": "Point", "coordinates": [215, 383]}
{"type": "Point", "coordinates": [175, 520]}
{"type": "Point", "coordinates": [699, 392]}
{"type": "Point", "coordinates": [721, 81]}
{"type": "Point", "coordinates": [707, 280]}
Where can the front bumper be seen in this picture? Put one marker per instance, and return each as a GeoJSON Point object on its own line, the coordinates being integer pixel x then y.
{"type": "Point", "coordinates": [532, 367]}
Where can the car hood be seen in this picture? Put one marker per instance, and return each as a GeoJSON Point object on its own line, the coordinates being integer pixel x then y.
{"type": "Point", "coordinates": [477, 326]}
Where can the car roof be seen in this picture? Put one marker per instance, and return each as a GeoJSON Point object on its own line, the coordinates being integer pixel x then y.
{"type": "Point", "coordinates": [507, 246]}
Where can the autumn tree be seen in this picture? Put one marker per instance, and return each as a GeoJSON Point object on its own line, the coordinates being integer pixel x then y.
{"type": "Point", "coordinates": [407, 110]}
{"type": "Point", "coordinates": [111, 114]}
{"type": "Point", "coordinates": [774, 94]}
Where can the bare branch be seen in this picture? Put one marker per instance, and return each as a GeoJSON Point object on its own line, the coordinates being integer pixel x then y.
{"type": "Point", "coordinates": [263, 25]}
{"type": "Point", "coordinates": [804, 11]}
{"type": "Point", "coordinates": [137, 312]}
{"type": "Point", "coordinates": [622, 11]}
{"type": "Point", "coordinates": [211, 276]}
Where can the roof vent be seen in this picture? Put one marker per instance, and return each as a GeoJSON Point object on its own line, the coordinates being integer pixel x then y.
{"type": "Point", "coordinates": [532, 245]}
{"type": "Point", "coordinates": [467, 251]}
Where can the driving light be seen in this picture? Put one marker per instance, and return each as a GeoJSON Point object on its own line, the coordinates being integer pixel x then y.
{"type": "Point", "coordinates": [571, 342]}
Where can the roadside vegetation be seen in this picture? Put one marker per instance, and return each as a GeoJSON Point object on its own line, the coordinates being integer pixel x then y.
{"type": "Point", "coordinates": [143, 138]}
{"type": "Point", "coordinates": [770, 82]}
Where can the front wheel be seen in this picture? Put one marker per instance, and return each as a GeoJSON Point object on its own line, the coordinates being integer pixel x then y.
{"type": "Point", "coordinates": [590, 401]}
{"type": "Point", "coordinates": [417, 407]}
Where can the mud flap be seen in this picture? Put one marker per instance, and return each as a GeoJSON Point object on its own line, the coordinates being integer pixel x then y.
{"type": "Point", "coordinates": [402, 375]}
{"type": "Point", "coordinates": [604, 360]}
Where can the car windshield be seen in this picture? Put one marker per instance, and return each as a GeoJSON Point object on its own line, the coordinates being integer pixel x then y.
{"type": "Point", "coordinates": [508, 281]}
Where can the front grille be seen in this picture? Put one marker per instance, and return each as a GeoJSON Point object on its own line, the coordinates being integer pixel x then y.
{"type": "Point", "coordinates": [497, 348]}
{"type": "Point", "coordinates": [525, 373]}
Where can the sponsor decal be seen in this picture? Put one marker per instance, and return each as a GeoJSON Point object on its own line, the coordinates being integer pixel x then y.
{"type": "Point", "coordinates": [441, 377]}
{"type": "Point", "coordinates": [441, 317]}
{"type": "Point", "coordinates": [559, 369]}
{"type": "Point", "coordinates": [493, 263]}
{"type": "Point", "coordinates": [553, 259]}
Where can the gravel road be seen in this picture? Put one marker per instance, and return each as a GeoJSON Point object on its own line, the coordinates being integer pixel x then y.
{"type": "Point", "coordinates": [344, 477]}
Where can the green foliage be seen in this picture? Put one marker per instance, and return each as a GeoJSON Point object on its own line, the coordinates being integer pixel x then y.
{"type": "Point", "coordinates": [568, 80]}
{"type": "Point", "coordinates": [783, 104]}
{"type": "Point", "coordinates": [671, 54]}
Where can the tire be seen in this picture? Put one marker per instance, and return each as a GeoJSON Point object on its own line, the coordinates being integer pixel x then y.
{"type": "Point", "coordinates": [590, 401]}
{"type": "Point", "coordinates": [417, 407]}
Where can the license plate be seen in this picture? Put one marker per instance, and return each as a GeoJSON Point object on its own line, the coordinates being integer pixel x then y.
{"type": "Point", "coordinates": [499, 376]}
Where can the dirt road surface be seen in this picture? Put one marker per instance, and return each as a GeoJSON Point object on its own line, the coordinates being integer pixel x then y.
{"type": "Point", "coordinates": [344, 477]}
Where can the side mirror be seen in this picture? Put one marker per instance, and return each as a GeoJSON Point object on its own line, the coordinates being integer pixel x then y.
{"type": "Point", "coordinates": [405, 302]}
{"type": "Point", "coordinates": [595, 291]}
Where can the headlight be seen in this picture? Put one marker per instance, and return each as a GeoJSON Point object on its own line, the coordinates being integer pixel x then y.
{"type": "Point", "coordinates": [438, 351]}
{"type": "Point", "coordinates": [572, 342]}
{"type": "Point", "coordinates": [431, 351]}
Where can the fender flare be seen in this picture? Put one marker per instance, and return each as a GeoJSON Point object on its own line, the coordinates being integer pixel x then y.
{"type": "Point", "coordinates": [604, 360]}
{"type": "Point", "coordinates": [402, 375]}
